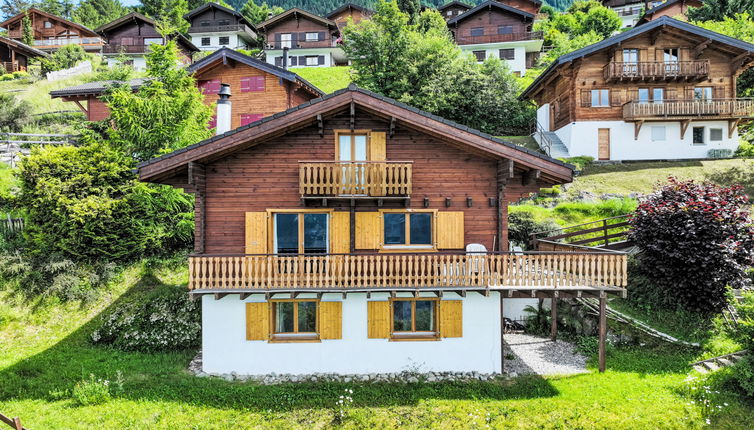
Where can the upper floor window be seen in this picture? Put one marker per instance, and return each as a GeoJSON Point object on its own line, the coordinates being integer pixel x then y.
{"type": "Point", "coordinates": [224, 40]}
{"type": "Point", "coordinates": [414, 318]}
{"type": "Point", "coordinates": [507, 54]}
{"type": "Point", "coordinates": [655, 95]}
{"type": "Point", "coordinates": [252, 83]}
{"type": "Point", "coordinates": [352, 146]}
{"type": "Point", "coordinates": [152, 40]}
{"type": "Point", "coordinates": [505, 29]}
{"type": "Point", "coordinates": [630, 55]}
{"type": "Point", "coordinates": [670, 55]}
{"type": "Point", "coordinates": [285, 40]}
{"type": "Point", "coordinates": [477, 31]}
{"type": "Point", "coordinates": [412, 229]}
{"type": "Point", "coordinates": [223, 22]}
{"type": "Point", "coordinates": [47, 24]}
{"type": "Point", "coordinates": [480, 55]}
{"type": "Point", "coordinates": [312, 37]}
{"type": "Point", "coordinates": [297, 233]}
{"type": "Point", "coordinates": [600, 98]}
{"type": "Point", "coordinates": [703, 93]}
{"type": "Point", "coordinates": [204, 24]}
{"type": "Point", "coordinates": [449, 13]}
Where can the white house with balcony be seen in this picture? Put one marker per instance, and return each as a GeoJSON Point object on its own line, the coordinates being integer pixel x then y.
{"type": "Point", "coordinates": [214, 26]}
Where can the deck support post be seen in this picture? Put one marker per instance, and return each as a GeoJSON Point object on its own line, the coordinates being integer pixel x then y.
{"type": "Point", "coordinates": [602, 331]}
{"type": "Point", "coordinates": [502, 335]}
{"type": "Point", "coordinates": [554, 318]}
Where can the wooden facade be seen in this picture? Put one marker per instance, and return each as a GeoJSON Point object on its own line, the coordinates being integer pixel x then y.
{"type": "Point", "coordinates": [493, 22]}
{"type": "Point", "coordinates": [215, 18]}
{"type": "Point", "coordinates": [531, 6]}
{"type": "Point", "coordinates": [52, 32]}
{"type": "Point", "coordinates": [14, 55]}
{"type": "Point", "coordinates": [297, 28]}
{"type": "Point", "coordinates": [453, 9]}
{"type": "Point", "coordinates": [348, 11]}
{"type": "Point", "coordinates": [134, 32]}
{"type": "Point", "coordinates": [670, 8]}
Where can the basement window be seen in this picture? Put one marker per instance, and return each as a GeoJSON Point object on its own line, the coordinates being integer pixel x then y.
{"type": "Point", "coordinates": [294, 320]}
{"type": "Point", "coordinates": [716, 134]}
{"type": "Point", "coordinates": [480, 55]}
{"type": "Point", "coordinates": [414, 318]}
{"type": "Point", "coordinates": [698, 134]}
{"type": "Point", "coordinates": [658, 134]}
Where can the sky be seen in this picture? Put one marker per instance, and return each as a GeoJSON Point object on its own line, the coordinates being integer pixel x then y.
{"type": "Point", "coordinates": [130, 2]}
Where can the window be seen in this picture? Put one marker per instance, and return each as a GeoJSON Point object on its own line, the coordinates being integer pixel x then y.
{"type": "Point", "coordinates": [223, 22]}
{"type": "Point", "coordinates": [698, 133]}
{"type": "Point", "coordinates": [47, 24]}
{"type": "Point", "coordinates": [703, 93]}
{"type": "Point", "coordinates": [204, 24]}
{"type": "Point", "coordinates": [643, 95]}
{"type": "Point", "coordinates": [477, 31]}
{"type": "Point", "coordinates": [658, 133]}
{"type": "Point", "coordinates": [480, 55]}
{"type": "Point", "coordinates": [301, 233]}
{"type": "Point", "coordinates": [402, 229]}
{"type": "Point", "coordinates": [248, 118]}
{"type": "Point", "coordinates": [152, 40]}
{"type": "Point", "coordinates": [658, 95]}
{"type": "Point", "coordinates": [449, 13]}
{"type": "Point", "coordinates": [670, 55]}
{"type": "Point", "coordinates": [352, 146]}
{"type": "Point", "coordinates": [505, 29]}
{"type": "Point", "coordinates": [205, 41]}
{"type": "Point", "coordinates": [507, 54]}
{"type": "Point", "coordinates": [294, 319]}
{"type": "Point", "coordinates": [655, 95]}
{"type": "Point", "coordinates": [312, 37]}
{"type": "Point", "coordinates": [600, 98]}
{"type": "Point", "coordinates": [285, 40]}
{"type": "Point", "coordinates": [630, 55]}
{"type": "Point", "coordinates": [252, 83]}
{"type": "Point", "coordinates": [716, 134]}
{"type": "Point", "coordinates": [414, 318]}
{"type": "Point", "coordinates": [312, 60]}
{"type": "Point", "coordinates": [224, 40]}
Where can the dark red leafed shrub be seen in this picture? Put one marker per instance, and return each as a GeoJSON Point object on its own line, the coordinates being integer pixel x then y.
{"type": "Point", "coordinates": [695, 240]}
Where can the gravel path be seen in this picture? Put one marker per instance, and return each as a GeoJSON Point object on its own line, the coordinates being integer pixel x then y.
{"type": "Point", "coordinates": [542, 356]}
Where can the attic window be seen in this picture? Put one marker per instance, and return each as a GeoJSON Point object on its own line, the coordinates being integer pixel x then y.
{"type": "Point", "coordinates": [48, 24]}
{"type": "Point", "coordinates": [223, 22]}
{"type": "Point", "coordinates": [204, 23]}
{"type": "Point", "coordinates": [477, 31]}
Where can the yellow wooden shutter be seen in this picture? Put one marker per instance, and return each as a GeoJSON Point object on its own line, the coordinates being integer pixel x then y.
{"type": "Point", "coordinates": [330, 320]}
{"type": "Point", "coordinates": [377, 146]}
{"type": "Point", "coordinates": [257, 321]}
{"type": "Point", "coordinates": [451, 318]}
{"type": "Point", "coordinates": [376, 171]}
{"type": "Point", "coordinates": [256, 232]}
{"type": "Point", "coordinates": [378, 319]}
{"type": "Point", "coordinates": [368, 234]}
{"type": "Point", "coordinates": [340, 233]}
{"type": "Point", "coordinates": [449, 230]}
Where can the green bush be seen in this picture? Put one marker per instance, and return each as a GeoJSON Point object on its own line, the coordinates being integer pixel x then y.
{"type": "Point", "coordinates": [20, 74]}
{"type": "Point", "coordinates": [522, 224]}
{"type": "Point", "coordinates": [745, 150]}
{"type": "Point", "coordinates": [743, 372]}
{"type": "Point", "coordinates": [64, 58]}
{"type": "Point", "coordinates": [581, 162]}
{"type": "Point", "coordinates": [742, 176]}
{"type": "Point", "coordinates": [6, 77]}
{"type": "Point", "coordinates": [166, 319]}
{"type": "Point", "coordinates": [602, 209]}
{"type": "Point", "coordinates": [92, 391]}
{"type": "Point", "coordinates": [14, 113]}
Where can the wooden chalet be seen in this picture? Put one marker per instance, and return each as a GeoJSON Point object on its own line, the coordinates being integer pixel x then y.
{"type": "Point", "coordinates": [214, 26]}
{"type": "Point", "coordinates": [132, 34]}
{"type": "Point", "coordinates": [88, 97]}
{"type": "Point", "coordinates": [531, 6]}
{"type": "Point", "coordinates": [453, 9]}
{"type": "Point", "coordinates": [354, 226]}
{"type": "Point", "coordinates": [670, 8]}
{"type": "Point", "coordinates": [662, 90]}
{"type": "Point", "coordinates": [309, 40]}
{"type": "Point", "coordinates": [14, 55]}
{"type": "Point", "coordinates": [52, 32]}
{"type": "Point", "coordinates": [629, 11]}
{"type": "Point", "coordinates": [348, 11]}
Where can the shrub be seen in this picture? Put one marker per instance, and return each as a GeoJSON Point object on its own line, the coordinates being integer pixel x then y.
{"type": "Point", "coordinates": [163, 320]}
{"type": "Point", "coordinates": [64, 58]}
{"type": "Point", "coordinates": [581, 162]}
{"type": "Point", "coordinates": [522, 224]}
{"type": "Point", "coordinates": [745, 149]}
{"type": "Point", "coordinates": [92, 391]}
{"type": "Point", "coordinates": [14, 113]}
{"type": "Point", "coordinates": [6, 77]}
{"type": "Point", "coordinates": [743, 372]}
{"type": "Point", "coordinates": [695, 240]}
{"type": "Point", "coordinates": [20, 74]}
{"type": "Point", "coordinates": [742, 176]}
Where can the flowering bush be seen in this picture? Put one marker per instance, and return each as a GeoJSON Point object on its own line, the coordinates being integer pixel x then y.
{"type": "Point", "coordinates": [92, 391]}
{"type": "Point", "coordinates": [164, 320]}
{"type": "Point", "coordinates": [695, 240]}
{"type": "Point", "coordinates": [344, 403]}
{"type": "Point", "coordinates": [704, 396]}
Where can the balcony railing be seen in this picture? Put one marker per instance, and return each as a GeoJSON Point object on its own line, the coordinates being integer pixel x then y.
{"type": "Point", "coordinates": [62, 41]}
{"type": "Point", "coordinates": [220, 29]}
{"type": "Point", "coordinates": [679, 109]}
{"type": "Point", "coordinates": [9, 67]}
{"type": "Point", "coordinates": [361, 178]}
{"type": "Point", "coordinates": [128, 49]}
{"type": "Point", "coordinates": [302, 44]}
{"type": "Point", "coordinates": [15, 34]}
{"type": "Point", "coordinates": [428, 270]}
{"type": "Point", "coordinates": [495, 38]}
{"type": "Point", "coordinates": [617, 71]}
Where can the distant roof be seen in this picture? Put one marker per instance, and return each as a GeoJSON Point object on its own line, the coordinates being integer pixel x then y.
{"type": "Point", "coordinates": [660, 7]}
{"type": "Point", "coordinates": [363, 9]}
{"type": "Point", "coordinates": [136, 16]}
{"type": "Point", "coordinates": [489, 5]}
{"type": "Point", "coordinates": [660, 22]}
{"type": "Point", "coordinates": [224, 53]}
{"type": "Point", "coordinates": [454, 3]}
{"type": "Point", "coordinates": [14, 18]}
{"type": "Point", "coordinates": [26, 49]}
{"type": "Point", "coordinates": [296, 11]}
{"type": "Point", "coordinates": [206, 6]}
{"type": "Point", "coordinates": [94, 88]}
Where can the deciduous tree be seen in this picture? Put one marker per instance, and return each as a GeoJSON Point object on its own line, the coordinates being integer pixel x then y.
{"type": "Point", "coordinates": [93, 13]}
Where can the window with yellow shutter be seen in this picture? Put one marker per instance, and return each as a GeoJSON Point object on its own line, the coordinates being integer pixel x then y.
{"type": "Point", "coordinates": [296, 320]}
{"type": "Point", "coordinates": [414, 318]}
{"type": "Point", "coordinates": [408, 230]}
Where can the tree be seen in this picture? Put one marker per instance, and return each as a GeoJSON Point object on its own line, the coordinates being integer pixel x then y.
{"type": "Point", "coordinates": [27, 31]}
{"type": "Point", "coordinates": [11, 8]}
{"type": "Point", "coordinates": [94, 13]}
{"type": "Point", "coordinates": [410, 8]}
{"type": "Point", "coordinates": [718, 10]}
{"type": "Point", "coordinates": [168, 12]}
{"type": "Point", "coordinates": [64, 58]}
{"type": "Point", "coordinates": [257, 13]}
{"type": "Point", "coordinates": [14, 113]}
{"type": "Point", "coordinates": [695, 240]}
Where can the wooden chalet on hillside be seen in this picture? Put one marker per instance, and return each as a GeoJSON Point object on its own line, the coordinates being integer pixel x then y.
{"type": "Point", "coordinates": [629, 11]}
{"type": "Point", "coordinates": [356, 234]}
{"type": "Point", "coordinates": [52, 32]}
{"type": "Point", "coordinates": [297, 38]}
{"type": "Point", "coordinates": [214, 26]}
{"type": "Point", "coordinates": [670, 8]}
{"type": "Point", "coordinates": [348, 11]}
{"type": "Point", "coordinates": [662, 90]}
{"type": "Point", "coordinates": [14, 55]}
{"type": "Point", "coordinates": [453, 9]}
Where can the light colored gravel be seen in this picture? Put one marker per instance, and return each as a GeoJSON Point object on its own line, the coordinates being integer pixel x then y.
{"type": "Point", "coordinates": [541, 356]}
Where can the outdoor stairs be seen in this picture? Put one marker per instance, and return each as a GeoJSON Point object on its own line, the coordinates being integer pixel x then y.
{"type": "Point", "coordinates": [715, 363]}
{"type": "Point", "coordinates": [557, 147]}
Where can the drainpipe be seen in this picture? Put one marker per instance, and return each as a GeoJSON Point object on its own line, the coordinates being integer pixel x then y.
{"type": "Point", "coordinates": [285, 58]}
{"type": "Point", "coordinates": [223, 110]}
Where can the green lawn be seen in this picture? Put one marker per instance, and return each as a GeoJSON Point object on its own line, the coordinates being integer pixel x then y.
{"type": "Point", "coordinates": [327, 79]}
{"type": "Point", "coordinates": [38, 93]}
{"type": "Point", "coordinates": [7, 180]}
{"type": "Point", "coordinates": [46, 351]}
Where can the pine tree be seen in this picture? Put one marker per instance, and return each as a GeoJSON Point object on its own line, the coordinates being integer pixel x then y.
{"type": "Point", "coordinates": [11, 8]}
{"type": "Point", "coordinates": [27, 31]}
{"type": "Point", "coordinates": [411, 8]}
{"type": "Point", "coordinates": [93, 13]}
{"type": "Point", "coordinates": [717, 10]}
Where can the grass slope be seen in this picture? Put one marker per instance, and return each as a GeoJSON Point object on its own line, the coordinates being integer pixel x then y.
{"type": "Point", "coordinates": [38, 93]}
{"type": "Point", "coordinates": [327, 79]}
{"type": "Point", "coordinates": [46, 351]}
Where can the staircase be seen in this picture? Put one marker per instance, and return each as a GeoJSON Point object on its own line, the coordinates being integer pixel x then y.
{"type": "Point", "coordinates": [715, 363]}
{"type": "Point", "coordinates": [609, 234]}
{"type": "Point", "coordinates": [557, 147]}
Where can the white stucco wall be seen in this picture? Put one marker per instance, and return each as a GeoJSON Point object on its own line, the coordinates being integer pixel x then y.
{"type": "Point", "coordinates": [327, 52]}
{"type": "Point", "coordinates": [543, 116]}
{"type": "Point", "coordinates": [139, 63]}
{"type": "Point", "coordinates": [514, 308]}
{"type": "Point", "coordinates": [581, 139]}
{"type": "Point", "coordinates": [234, 42]}
{"type": "Point", "coordinates": [225, 348]}
{"type": "Point", "coordinates": [517, 64]}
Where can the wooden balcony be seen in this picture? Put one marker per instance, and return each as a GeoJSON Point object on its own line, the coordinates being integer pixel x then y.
{"type": "Point", "coordinates": [233, 28]}
{"type": "Point", "coordinates": [15, 34]}
{"type": "Point", "coordinates": [355, 179]}
{"type": "Point", "coordinates": [302, 44]}
{"type": "Point", "coordinates": [128, 49]}
{"type": "Point", "coordinates": [689, 109]}
{"type": "Point", "coordinates": [426, 271]}
{"type": "Point", "coordinates": [497, 38]}
{"type": "Point", "coordinates": [11, 67]}
{"type": "Point", "coordinates": [656, 70]}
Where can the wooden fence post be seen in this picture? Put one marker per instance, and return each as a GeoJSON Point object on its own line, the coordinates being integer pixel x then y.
{"type": "Point", "coordinates": [602, 331]}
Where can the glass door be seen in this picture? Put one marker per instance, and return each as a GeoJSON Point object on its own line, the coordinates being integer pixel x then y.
{"type": "Point", "coordinates": [352, 153]}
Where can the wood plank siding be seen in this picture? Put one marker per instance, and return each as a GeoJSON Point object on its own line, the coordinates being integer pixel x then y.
{"type": "Point", "coordinates": [51, 32]}
{"type": "Point", "coordinates": [297, 24]}
{"type": "Point", "coordinates": [491, 25]}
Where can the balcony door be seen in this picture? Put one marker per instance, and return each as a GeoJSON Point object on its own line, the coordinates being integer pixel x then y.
{"type": "Point", "coordinates": [630, 62]}
{"type": "Point", "coordinates": [352, 153]}
{"type": "Point", "coordinates": [670, 60]}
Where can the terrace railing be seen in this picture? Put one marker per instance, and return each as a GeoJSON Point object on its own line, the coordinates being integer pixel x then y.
{"type": "Point", "coordinates": [301, 44]}
{"type": "Point", "coordinates": [605, 233]}
{"type": "Point", "coordinates": [348, 178]}
{"type": "Point", "coordinates": [495, 38]}
{"type": "Point", "coordinates": [678, 109]}
{"type": "Point", "coordinates": [656, 70]}
{"type": "Point", "coordinates": [220, 28]}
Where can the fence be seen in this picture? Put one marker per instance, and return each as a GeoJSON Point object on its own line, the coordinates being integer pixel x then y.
{"type": "Point", "coordinates": [12, 144]}
{"type": "Point", "coordinates": [79, 69]}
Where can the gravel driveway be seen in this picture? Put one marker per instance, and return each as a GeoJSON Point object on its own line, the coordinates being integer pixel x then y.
{"type": "Point", "coordinates": [541, 356]}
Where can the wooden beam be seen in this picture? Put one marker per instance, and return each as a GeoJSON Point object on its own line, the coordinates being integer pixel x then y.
{"type": "Point", "coordinates": [732, 124]}
{"type": "Point", "coordinates": [637, 128]}
{"type": "Point", "coordinates": [320, 125]}
{"type": "Point", "coordinates": [684, 126]}
{"type": "Point", "coordinates": [554, 318]}
{"type": "Point", "coordinates": [83, 109]}
{"type": "Point", "coordinates": [699, 49]}
{"type": "Point", "coordinates": [219, 296]}
{"type": "Point", "coordinates": [244, 296]}
{"type": "Point", "coordinates": [602, 332]}
{"type": "Point", "coordinates": [531, 176]}
{"type": "Point", "coordinates": [353, 114]}
{"type": "Point", "coordinates": [392, 126]}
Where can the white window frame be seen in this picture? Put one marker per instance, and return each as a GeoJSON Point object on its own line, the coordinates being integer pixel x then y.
{"type": "Point", "coordinates": [286, 40]}
{"type": "Point", "coordinates": [312, 36]}
{"type": "Point", "coordinates": [312, 60]}
{"type": "Point", "coordinates": [601, 102]}
{"type": "Point", "coordinates": [717, 129]}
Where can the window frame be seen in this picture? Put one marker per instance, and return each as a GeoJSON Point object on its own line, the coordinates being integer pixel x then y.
{"type": "Point", "coordinates": [591, 98]}
{"type": "Point", "coordinates": [408, 247]}
{"type": "Point", "coordinates": [703, 142]}
{"type": "Point", "coordinates": [295, 336]}
{"type": "Point", "coordinates": [716, 129]}
{"type": "Point", "coordinates": [361, 132]}
{"type": "Point", "coordinates": [664, 133]}
{"type": "Point", "coordinates": [208, 41]}
{"type": "Point", "coordinates": [483, 51]}
{"type": "Point", "coordinates": [223, 38]}
{"type": "Point", "coordinates": [476, 30]}
{"type": "Point", "coordinates": [272, 237]}
{"type": "Point", "coordinates": [415, 335]}
{"type": "Point", "coordinates": [512, 52]}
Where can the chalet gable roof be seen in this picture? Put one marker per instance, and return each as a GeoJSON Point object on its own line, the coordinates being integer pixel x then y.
{"type": "Point", "coordinates": [133, 17]}
{"type": "Point", "coordinates": [662, 22]}
{"type": "Point", "coordinates": [489, 5]}
{"type": "Point", "coordinates": [364, 10]}
{"type": "Point", "coordinates": [225, 53]}
{"type": "Point", "coordinates": [453, 3]}
{"type": "Point", "coordinates": [306, 114]}
{"type": "Point", "coordinates": [33, 10]}
{"type": "Point", "coordinates": [295, 12]}
{"type": "Point", "coordinates": [210, 5]}
{"type": "Point", "coordinates": [23, 48]}
{"type": "Point", "coordinates": [660, 7]}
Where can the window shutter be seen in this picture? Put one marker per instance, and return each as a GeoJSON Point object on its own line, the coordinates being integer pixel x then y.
{"type": "Point", "coordinates": [279, 61]}
{"type": "Point", "coordinates": [246, 84]}
{"type": "Point", "coordinates": [301, 60]}
{"type": "Point", "coordinates": [257, 321]}
{"type": "Point", "coordinates": [202, 86]}
{"type": "Point", "coordinates": [449, 229]}
{"type": "Point", "coordinates": [451, 318]}
{"type": "Point", "coordinates": [586, 98]}
{"type": "Point", "coordinates": [320, 35]}
{"type": "Point", "coordinates": [292, 61]}
{"type": "Point", "coordinates": [212, 122]}
{"type": "Point", "coordinates": [330, 320]}
{"type": "Point", "coordinates": [294, 40]}
{"type": "Point", "coordinates": [257, 84]}
{"type": "Point", "coordinates": [615, 98]}
{"type": "Point", "coordinates": [340, 233]}
{"type": "Point", "coordinates": [321, 60]}
{"type": "Point", "coordinates": [256, 233]}
{"type": "Point", "coordinates": [368, 234]}
{"type": "Point", "coordinates": [378, 320]}
{"type": "Point", "coordinates": [278, 38]}
{"type": "Point", "coordinates": [377, 142]}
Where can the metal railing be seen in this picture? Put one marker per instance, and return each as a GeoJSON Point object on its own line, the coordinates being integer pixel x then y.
{"type": "Point", "coordinates": [601, 233]}
{"type": "Point", "coordinates": [540, 135]}
{"type": "Point", "coordinates": [656, 70]}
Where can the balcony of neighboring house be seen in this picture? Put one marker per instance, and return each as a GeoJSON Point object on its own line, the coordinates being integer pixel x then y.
{"type": "Point", "coordinates": [302, 44]}
{"type": "Point", "coordinates": [131, 48]}
{"type": "Point", "coordinates": [57, 42]}
{"type": "Point", "coordinates": [231, 28]}
{"type": "Point", "coordinates": [437, 271]}
{"type": "Point", "coordinates": [15, 34]}
{"type": "Point", "coordinates": [355, 179]}
{"type": "Point", "coordinates": [656, 70]}
{"type": "Point", "coordinates": [11, 67]}
{"type": "Point", "coordinates": [497, 38]}
{"type": "Point", "coordinates": [687, 109]}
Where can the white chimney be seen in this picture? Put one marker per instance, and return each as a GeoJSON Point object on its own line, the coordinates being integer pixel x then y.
{"type": "Point", "coordinates": [223, 110]}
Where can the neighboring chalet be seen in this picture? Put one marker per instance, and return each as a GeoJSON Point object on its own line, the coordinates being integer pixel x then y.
{"type": "Point", "coordinates": [348, 11]}
{"type": "Point", "coordinates": [354, 234]}
{"type": "Point", "coordinates": [132, 34]}
{"type": "Point", "coordinates": [52, 32]}
{"type": "Point", "coordinates": [214, 26]}
{"type": "Point", "coordinates": [662, 90]}
{"type": "Point", "coordinates": [453, 9]}
{"type": "Point", "coordinates": [14, 55]}
{"type": "Point", "coordinates": [531, 6]}
{"type": "Point", "coordinates": [258, 89]}
{"type": "Point", "coordinates": [493, 29]}
{"type": "Point", "coordinates": [629, 11]}
{"type": "Point", "coordinates": [670, 8]}
{"type": "Point", "coordinates": [309, 40]}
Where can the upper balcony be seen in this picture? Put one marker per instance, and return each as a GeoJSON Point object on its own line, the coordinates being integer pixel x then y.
{"type": "Point", "coordinates": [302, 44]}
{"type": "Point", "coordinates": [689, 109]}
{"type": "Point", "coordinates": [58, 42]}
{"type": "Point", "coordinates": [353, 179]}
{"type": "Point", "coordinates": [117, 48]}
{"type": "Point", "coordinates": [656, 70]}
{"type": "Point", "coordinates": [233, 28]}
{"type": "Point", "coordinates": [497, 38]}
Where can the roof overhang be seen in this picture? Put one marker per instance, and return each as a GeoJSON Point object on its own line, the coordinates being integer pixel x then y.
{"type": "Point", "coordinates": [488, 5]}
{"type": "Point", "coordinates": [296, 12]}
